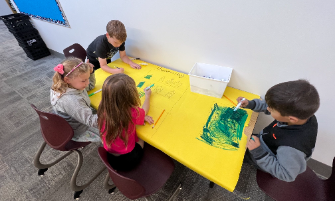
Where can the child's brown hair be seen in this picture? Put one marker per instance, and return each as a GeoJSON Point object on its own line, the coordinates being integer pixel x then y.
{"type": "Point", "coordinates": [294, 98]}
{"type": "Point", "coordinates": [119, 95]}
{"type": "Point", "coordinates": [116, 29]}
{"type": "Point", "coordinates": [59, 85]}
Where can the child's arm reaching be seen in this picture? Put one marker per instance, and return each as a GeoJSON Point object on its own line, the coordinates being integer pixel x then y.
{"type": "Point", "coordinates": [105, 67]}
{"type": "Point", "coordinates": [146, 104]}
{"type": "Point", "coordinates": [126, 60]}
{"type": "Point", "coordinates": [256, 105]}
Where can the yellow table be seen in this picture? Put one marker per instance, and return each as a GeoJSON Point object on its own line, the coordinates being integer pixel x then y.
{"type": "Point", "coordinates": [190, 129]}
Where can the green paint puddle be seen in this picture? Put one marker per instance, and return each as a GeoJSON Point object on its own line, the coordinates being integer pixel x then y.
{"type": "Point", "coordinates": [224, 128]}
{"type": "Point", "coordinates": [140, 84]}
{"type": "Point", "coordinates": [148, 77]}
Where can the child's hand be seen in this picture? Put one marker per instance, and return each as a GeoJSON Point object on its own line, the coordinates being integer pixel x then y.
{"type": "Point", "coordinates": [91, 66]}
{"type": "Point", "coordinates": [147, 92]}
{"type": "Point", "coordinates": [119, 70]}
{"type": "Point", "coordinates": [253, 143]}
{"type": "Point", "coordinates": [135, 65]}
{"type": "Point", "coordinates": [245, 103]}
{"type": "Point", "coordinates": [148, 119]}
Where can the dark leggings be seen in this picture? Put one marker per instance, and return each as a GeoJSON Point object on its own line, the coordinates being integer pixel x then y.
{"type": "Point", "coordinates": [126, 161]}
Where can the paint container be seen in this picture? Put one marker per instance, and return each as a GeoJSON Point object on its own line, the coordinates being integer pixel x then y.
{"type": "Point", "coordinates": [202, 82]}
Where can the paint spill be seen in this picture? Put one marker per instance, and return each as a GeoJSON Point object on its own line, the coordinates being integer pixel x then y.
{"type": "Point", "coordinates": [140, 84]}
{"type": "Point", "coordinates": [224, 128]}
{"type": "Point", "coordinates": [148, 77]}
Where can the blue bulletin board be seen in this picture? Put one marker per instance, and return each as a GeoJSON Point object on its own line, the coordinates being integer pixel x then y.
{"type": "Point", "coordinates": [46, 10]}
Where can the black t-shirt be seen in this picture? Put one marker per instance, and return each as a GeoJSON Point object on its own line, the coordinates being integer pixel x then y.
{"type": "Point", "coordinates": [100, 47]}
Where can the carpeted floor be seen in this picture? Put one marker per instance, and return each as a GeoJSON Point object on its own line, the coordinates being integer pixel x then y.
{"type": "Point", "coordinates": [24, 81]}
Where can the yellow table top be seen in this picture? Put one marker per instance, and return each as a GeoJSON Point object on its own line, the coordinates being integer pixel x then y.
{"type": "Point", "coordinates": [199, 131]}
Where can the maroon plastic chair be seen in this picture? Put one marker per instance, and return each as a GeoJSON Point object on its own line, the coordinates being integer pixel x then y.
{"type": "Point", "coordinates": [75, 50]}
{"type": "Point", "coordinates": [307, 186]}
{"type": "Point", "coordinates": [145, 179]}
{"type": "Point", "coordinates": [57, 133]}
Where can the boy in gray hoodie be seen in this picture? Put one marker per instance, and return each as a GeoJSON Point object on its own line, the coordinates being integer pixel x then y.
{"type": "Point", "coordinates": [69, 98]}
{"type": "Point", "coordinates": [283, 147]}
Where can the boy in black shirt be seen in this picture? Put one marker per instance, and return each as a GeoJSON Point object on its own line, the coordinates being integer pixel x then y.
{"type": "Point", "coordinates": [104, 47]}
{"type": "Point", "coordinates": [283, 147]}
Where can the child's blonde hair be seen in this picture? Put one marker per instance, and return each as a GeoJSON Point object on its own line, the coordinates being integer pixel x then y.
{"type": "Point", "coordinates": [116, 29]}
{"type": "Point", "coordinates": [119, 95]}
{"type": "Point", "coordinates": [59, 85]}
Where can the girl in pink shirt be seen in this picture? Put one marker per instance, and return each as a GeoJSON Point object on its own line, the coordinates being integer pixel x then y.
{"type": "Point", "coordinates": [119, 111]}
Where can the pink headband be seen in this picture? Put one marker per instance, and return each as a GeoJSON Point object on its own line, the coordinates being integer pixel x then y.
{"type": "Point", "coordinates": [73, 69]}
{"type": "Point", "coordinates": [60, 69]}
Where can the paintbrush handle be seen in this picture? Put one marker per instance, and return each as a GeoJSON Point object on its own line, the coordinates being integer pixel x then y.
{"type": "Point", "coordinates": [94, 93]}
{"type": "Point", "coordinates": [239, 104]}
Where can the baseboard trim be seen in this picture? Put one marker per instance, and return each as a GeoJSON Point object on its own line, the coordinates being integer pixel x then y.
{"type": "Point", "coordinates": [57, 54]}
{"type": "Point", "coordinates": [320, 168]}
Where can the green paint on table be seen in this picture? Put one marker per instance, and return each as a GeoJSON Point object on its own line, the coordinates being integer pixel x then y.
{"type": "Point", "coordinates": [140, 84]}
{"type": "Point", "coordinates": [224, 128]}
{"type": "Point", "coordinates": [148, 77]}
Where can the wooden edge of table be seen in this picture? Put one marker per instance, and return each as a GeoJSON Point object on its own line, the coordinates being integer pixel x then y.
{"type": "Point", "coordinates": [248, 130]}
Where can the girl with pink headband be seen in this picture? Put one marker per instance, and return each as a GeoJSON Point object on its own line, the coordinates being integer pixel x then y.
{"type": "Point", "coordinates": [69, 98]}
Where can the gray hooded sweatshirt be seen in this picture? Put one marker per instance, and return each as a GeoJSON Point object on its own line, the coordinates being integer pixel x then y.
{"type": "Point", "coordinates": [74, 107]}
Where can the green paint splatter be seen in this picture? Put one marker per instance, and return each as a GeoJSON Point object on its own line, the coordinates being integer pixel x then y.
{"type": "Point", "coordinates": [141, 93]}
{"type": "Point", "coordinates": [224, 128]}
{"type": "Point", "coordinates": [148, 77]}
{"type": "Point", "coordinates": [140, 84]}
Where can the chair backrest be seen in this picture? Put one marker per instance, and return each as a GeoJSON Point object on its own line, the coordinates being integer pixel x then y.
{"type": "Point", "coordinates": [330, 184]}
{"type": "Point", "coordinates": [128, 187]}
{"type": "Point", "coordinates": [75, 50]}
{"type": "Point", "coordinates": [56, 131]}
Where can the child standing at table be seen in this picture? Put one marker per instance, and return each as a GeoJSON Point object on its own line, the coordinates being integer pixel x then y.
{"type": "Point", "coordinates": [104, 47]}
{"type": "Point", "coordinates": [119, 111]}
{"type": "Point", "coordinates": [69, 99]}
{"type": "Point", "coordinates": [283, 147]}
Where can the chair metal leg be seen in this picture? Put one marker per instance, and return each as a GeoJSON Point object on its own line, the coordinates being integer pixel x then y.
{"type": "Point", "coordinates": [176, 192]}
{"type": "Point", "coordinates": [73, 183]}
{"type": "Point", "coordinates": [110, 188]}
{"type": "Point", "coordinates": [44, 167]}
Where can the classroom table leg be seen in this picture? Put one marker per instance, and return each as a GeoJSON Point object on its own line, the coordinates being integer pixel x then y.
{"type": "Point", "coordinates": [211, 184]}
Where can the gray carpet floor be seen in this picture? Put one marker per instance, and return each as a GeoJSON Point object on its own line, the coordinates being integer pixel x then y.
{"type": "Point", "coordinates": [24, 81]}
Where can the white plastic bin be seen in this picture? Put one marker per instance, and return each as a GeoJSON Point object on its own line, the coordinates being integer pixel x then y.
{"type": "Point", "coordinates": [210, 80]}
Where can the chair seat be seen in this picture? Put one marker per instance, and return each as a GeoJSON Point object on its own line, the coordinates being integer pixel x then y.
{"type": "Point", "coordinates": [153, 171]}
{"type": "Point", "coordinates": [307, 186]}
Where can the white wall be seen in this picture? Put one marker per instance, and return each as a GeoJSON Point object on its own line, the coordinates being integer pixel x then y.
{"type": "Point", "coordinates": [266, 42]}
{"type": "Point", "coordinates": [4, 8]}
